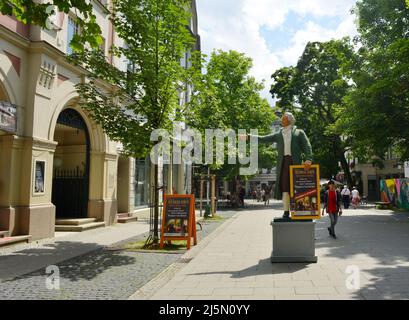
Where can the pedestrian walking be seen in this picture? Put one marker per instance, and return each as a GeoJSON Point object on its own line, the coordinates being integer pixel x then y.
{"type": "Point", "coordinates": [332, 204]}
{"type": "Point", "coordinates": [346, 195]}
{"type": "Point", "coordinates": [356, 199]}
{"type": "Point", "coordinates": [258, 195]}
{"type": "Point", "coordinates": [267, 196]}
{"type": "Point", "coordinates": [242, 193]}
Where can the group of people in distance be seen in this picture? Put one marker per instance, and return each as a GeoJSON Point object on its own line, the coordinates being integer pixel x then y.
{"type": "Point", "coordinates": [348, 196]}
{"type": "Point", "coordinates": [262, 195]}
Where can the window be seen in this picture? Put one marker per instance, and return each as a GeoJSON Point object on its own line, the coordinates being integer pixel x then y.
{"type": "Point", "coordinates": [73, 29]}
{"type": "Point", "coordinates": [141, 182]}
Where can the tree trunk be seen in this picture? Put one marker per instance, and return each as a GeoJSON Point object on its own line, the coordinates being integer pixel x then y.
{"type": "Point", "coordinates": [344, 163]}
{"type": "Point", "coordinates": [156, 204]}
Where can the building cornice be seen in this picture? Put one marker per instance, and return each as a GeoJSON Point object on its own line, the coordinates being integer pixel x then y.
{"type": "Point", "coordinates": [21, 141]}
{"type": "Point", "coordinates": [14, 38]}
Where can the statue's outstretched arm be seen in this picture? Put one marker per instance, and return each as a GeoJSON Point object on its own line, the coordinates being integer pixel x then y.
{"type": "Point", "coordinates": [271, 138]}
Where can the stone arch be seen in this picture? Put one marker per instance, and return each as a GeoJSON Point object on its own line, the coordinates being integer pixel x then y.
{"type": "Point", "coordinates": [101, 205]}
{"type": "Point", "coordinates": [7, 88]}
{"type": "Point", "coordinates": [98, 139]}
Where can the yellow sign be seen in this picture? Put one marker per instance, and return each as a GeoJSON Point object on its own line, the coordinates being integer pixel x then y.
{"type": "Point", "coordinates": [305, 192]}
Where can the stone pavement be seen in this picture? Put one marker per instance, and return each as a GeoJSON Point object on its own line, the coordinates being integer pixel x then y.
{"type": "Point", "coordinates": [96, 265]}
{"type": "Point", "coordinates": [24, 258]}
{"type": "Point", "coordinates": [235, 261]}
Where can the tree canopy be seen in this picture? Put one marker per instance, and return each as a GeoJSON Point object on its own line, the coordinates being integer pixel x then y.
{"type": "Point", "coordinates": [227, 97]}
{"type": "Point", "coordinates": [146, 96]}
{"type": "Point", "coordinates": [378, 107]}
{"type": "Point", "coordinates": [314, 92]}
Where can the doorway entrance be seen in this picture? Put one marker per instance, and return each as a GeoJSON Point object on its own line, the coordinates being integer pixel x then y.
{"type": "Point", "coordinates": [70, 189]}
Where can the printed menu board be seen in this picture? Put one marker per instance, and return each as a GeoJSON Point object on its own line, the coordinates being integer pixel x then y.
{"type": "Point", "coordinates": [179, 222]}
{"type": "Point", "coordinates": [177, 216]}
{"type": "Point", "coordinates": [305, 192]}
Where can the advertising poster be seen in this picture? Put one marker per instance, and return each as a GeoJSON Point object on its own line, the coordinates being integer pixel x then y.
{"type": "Point", "coordinates": [177, 216]}
{"type": "Point", "coordinates": [8, 117]}
{"type": "Point", "coordinates": [179, 221]}
{"type": "Point", "coordinates": [39, 177]}
{"type": "Point", "coordinates": [305, 192]}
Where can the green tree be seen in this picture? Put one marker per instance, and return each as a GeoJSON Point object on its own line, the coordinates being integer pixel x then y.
{"type": "Point", "coordinates": [314, 91]}
{"type": "Point", "coordinates": [378, 107]}
{"type": "Point", "coordinates": [133, 103]}
{"type": "Point", "coordinates": [38, 13]}
{"type": "Point", "coordinates": [227, 97]}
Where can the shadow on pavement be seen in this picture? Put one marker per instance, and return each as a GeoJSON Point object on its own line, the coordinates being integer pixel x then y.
{"type": "Point", "coordinates": [262, 268]}
{"type": "Point", "coordinates": [254, 206]}
{"type": "Point", "coordinates": [77, 260]}
{"type": "Point", "coordinates": [382, 237]}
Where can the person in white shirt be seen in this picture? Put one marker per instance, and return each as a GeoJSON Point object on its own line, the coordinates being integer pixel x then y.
{"type": "Point", "coordinates": [355, 197]}
{"type": "Point", "coordinates": [346, 195]}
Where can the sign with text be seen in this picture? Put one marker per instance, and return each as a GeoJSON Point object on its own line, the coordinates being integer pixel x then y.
{"type": "Point", "coordinates": [178, 222]}
{"type": "Point", "coordinates": [305, 192]}
{"type": "Point", "coordinates": [8, 117]}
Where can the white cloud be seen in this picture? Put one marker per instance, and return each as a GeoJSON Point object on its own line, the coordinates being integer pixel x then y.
{"type": "Point", "coordinates": [236, 25]}
{"type": "Point", "coordinates": [314, 32]}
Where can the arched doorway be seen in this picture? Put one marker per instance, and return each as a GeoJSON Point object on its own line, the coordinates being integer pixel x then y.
{"type": "Point", "coordinates": [70, 189]}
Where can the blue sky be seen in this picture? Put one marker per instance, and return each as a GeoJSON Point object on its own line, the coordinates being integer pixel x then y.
{"type": "Point", "coordinates": [280, 38]}
{"type": "Point", "coordinates": [272, 32]}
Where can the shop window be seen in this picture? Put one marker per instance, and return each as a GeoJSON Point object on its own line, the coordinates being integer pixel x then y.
{"type": "Point", "coordinates": [141, 182]}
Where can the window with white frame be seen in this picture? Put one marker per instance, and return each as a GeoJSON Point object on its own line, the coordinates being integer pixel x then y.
{"type": "Point", "coordinates": [73, 29]}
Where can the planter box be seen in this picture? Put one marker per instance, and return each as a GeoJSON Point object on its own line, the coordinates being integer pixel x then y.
{"type": "Point", "coordinates": [293, 241]}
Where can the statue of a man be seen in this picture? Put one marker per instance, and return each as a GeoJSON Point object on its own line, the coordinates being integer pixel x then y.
{"type": "Point", "coordinates": [294, 148]}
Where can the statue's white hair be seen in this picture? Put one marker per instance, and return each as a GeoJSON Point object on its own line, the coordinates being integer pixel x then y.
{"type": "Point", "coordinates": [290, 117]}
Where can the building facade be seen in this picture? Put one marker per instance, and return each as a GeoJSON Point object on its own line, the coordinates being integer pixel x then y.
{"type": "Point", "coordinates": [55, 161]}
{"type": "Point", "coordinates": [367, 176]}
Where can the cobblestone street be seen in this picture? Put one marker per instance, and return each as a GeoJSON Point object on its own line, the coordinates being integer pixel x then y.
{"type": "Point", "coordinates": [104, 273]}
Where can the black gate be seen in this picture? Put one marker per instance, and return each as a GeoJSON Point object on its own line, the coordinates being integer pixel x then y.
{"type": "Point", "coordinates": [71, 187]}
{"type": "Point", "coordinates": [70, 194]}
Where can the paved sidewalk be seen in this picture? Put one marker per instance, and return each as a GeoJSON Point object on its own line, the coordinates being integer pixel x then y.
{"type": "Point", "coordinates": [235, 264]}
{"type": "Point", "coordinates": [102, 269]}
{"type": "Point", "coordinates": [24, 258]}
